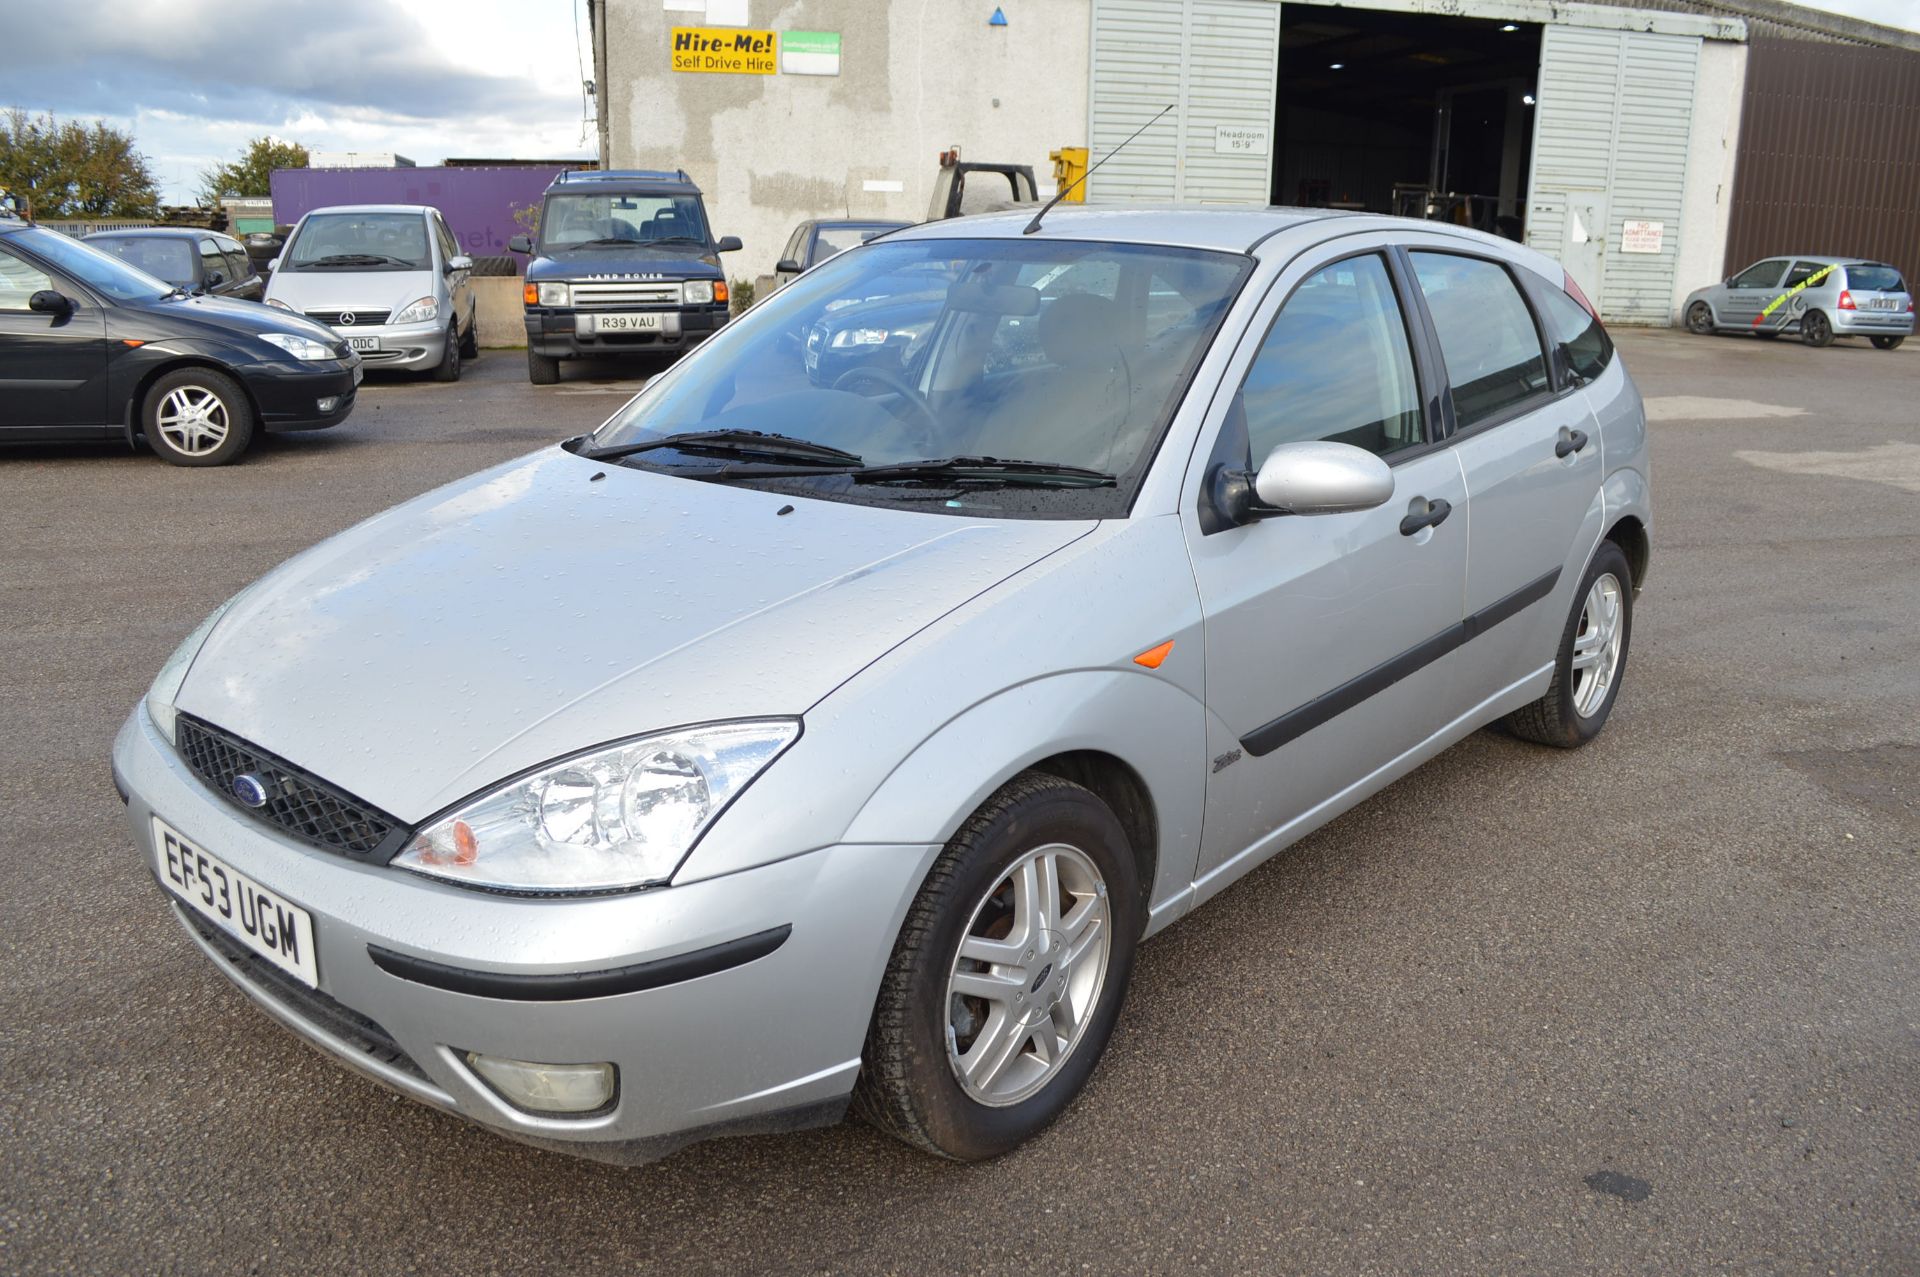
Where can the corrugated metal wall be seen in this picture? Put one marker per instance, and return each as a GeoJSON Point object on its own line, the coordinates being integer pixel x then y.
{"type": "Point", "coordinates": [1829, 157]}
{"type": "Point", "coordinates": [1217, 63]}
{"type": "Point", "coordinates": [1611, 136]}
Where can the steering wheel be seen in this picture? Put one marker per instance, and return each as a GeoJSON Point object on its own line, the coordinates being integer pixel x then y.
{"type": "Point", "coordinates": [929, 421]}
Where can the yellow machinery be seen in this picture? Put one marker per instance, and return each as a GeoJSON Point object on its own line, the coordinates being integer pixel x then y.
{"type": "Point", "coordinates": [1069, 166]}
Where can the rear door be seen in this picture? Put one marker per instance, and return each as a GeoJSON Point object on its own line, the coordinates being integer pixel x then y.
{"type": "Point", "coordinates": [53, 368]}
{"type": "Point", "coordinates": [1530, 451]}
{"type": "Point", "coordinates": [1751, 291]}
{"type": "Point", "coordinates": [1322, 665]}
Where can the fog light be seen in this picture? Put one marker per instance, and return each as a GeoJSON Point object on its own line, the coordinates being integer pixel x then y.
{"type": "Point", "coordinates": [329, 403]}
{"type": "Point", "coordinates": [547, 1088]}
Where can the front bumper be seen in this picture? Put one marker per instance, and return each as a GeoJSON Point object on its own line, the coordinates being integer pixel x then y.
{"type": "Point", "coordinates": [770, 1043]}
{"type": "Point", "coordinates": [289, 394]}
{"type": "Point", "coordinates": [408, 347]}
{"type": "Point", "coordinates": [569, 334]}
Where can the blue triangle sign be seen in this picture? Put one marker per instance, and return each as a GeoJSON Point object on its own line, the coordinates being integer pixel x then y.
{"type": "Point", "coordinates": [999, 19]}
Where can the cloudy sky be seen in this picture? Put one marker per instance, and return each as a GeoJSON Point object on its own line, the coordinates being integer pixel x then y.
{"type": "Point", "coordinates": [195, 79]}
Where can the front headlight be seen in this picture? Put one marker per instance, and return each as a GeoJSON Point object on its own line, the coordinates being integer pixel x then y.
{"type": "Point", "coordinates": [277, 303]}
{"type": "Point", "coordinates": [299, 347]}
{"type": "Point", "coordinates": [697, 292]}
{"type": "Point", "coordinates": [166, 684]}
{"type": "Point", "coordinates": [555, 295]}
{"type": "Point", "coordinates": [418, 312]}
{"type": "Point", "coordinates": [622, 816]}
{"type": "Point", "coordinates": [859, 337]}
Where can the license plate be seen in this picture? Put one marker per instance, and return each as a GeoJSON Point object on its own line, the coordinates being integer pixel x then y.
{"type": "Point", "coordinates": [359, 373]}
{"type": "Point", "coordinates": [264, 921]}
{"type": "Point", "coordinates": [364, 343]}
{"type": "Point", "coordinates": [629, 323]}
{"type": "Point", "coordinates": [1882, 303]}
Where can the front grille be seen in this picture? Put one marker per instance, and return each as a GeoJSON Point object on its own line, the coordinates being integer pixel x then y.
{"type": "Point", "coordinates": [335, 1019]}
{"type": "Point", "coordinates": [297, 803]}
{"type": "Point", "coordinates": [338, 318]}
{"type": "Point", "coordinates": [627, 293]}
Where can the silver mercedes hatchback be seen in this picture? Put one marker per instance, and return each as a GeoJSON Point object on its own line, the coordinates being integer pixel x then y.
{"type": "Point", "coordinates": [833, 724]}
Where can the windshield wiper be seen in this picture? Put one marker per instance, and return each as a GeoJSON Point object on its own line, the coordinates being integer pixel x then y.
{"type": "Point", "coordinates": [356, 259]}
{"type": "Point", "coordinates": [985, 470]}
{"type": "Point", "coordinates": [736, 443]}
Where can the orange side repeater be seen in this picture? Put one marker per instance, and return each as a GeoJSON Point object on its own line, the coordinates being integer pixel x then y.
{"type": "Point", "coordinates": [1152, 657]}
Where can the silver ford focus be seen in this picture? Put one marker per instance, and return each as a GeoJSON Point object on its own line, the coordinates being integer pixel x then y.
{"type": "Point", "coordinates": [831, 726]}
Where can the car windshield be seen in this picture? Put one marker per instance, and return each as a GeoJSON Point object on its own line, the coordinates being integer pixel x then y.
{"type": "Point", "coordinates": [359, 242]}
{"type": "Point", "coordinates": [1067, 356]}
{"type": "Point", "coordinates": [613, 218]}
{"type": "Point", "coordinates": [163, 257]}
{"type": "Point", "coordinates": [1875, 279]}
{"type": "Point", "coordinates": [109, 275]}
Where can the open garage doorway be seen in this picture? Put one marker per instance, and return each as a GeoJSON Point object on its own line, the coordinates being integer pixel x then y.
{"type": "Point", "coordinates": [1419, 115]}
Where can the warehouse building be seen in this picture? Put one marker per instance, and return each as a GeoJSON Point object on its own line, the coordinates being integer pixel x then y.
{"type": "Point", "coordinates": [1653, 147]}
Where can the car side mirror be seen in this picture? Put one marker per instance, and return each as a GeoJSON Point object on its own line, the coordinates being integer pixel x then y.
{"type": "Point", "coordinates": [462, 262]}
{"type": "Point", "coordinates": [521, 244]}
{"type": "Point", "coordinates": [786, 266]}
{"type": "Point", "coordinates": [728, 244]}
{"type": "Point", "coordinates": [273, 266]}
{"type": "Point", "coordinates": [1323, 477]}
{"type": "Point", "coordinates": [48, 302]}
{"type": "Point", "coordinates": [215, 279]}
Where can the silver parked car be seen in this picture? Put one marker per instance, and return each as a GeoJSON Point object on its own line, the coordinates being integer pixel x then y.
{"type": "Point", "coordinates": [1819, 298]}
{"type": "Point", "coordinates": [780, 744]}
{"type": "Point", "coordinates": [390, 278]}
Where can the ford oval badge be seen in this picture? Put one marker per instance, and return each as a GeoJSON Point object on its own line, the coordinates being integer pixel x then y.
{"type": "Point", "coordinates": [250, 790]}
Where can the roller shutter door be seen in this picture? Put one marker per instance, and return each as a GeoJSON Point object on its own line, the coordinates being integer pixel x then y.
{"type": "Point", "coordinates": [1610, 147]}
{"type": "Point", "coordinates": [1216, 63]}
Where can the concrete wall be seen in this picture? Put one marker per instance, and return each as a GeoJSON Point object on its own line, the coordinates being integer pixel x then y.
{"type": "Point", "coordinates": [1712, 146]}
{"type": "Point", "coordinates": [916, 77]}
{"type": "Point", "coordinates": [499, 310]}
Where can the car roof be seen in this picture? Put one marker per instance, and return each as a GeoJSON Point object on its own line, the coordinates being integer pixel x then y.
{"type": "Point", "coordinates": [157, 232]}
{"type": "Point", "coordinates": [422, 209]}
{"type": "Point", "coordinates": [1822, 259]}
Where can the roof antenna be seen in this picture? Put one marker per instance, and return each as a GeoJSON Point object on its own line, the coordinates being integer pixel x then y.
{"type": "Point", "coordinates": [1061, 194]}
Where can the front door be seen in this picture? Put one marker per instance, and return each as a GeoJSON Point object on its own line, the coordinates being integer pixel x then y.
{"type": "Point", "coordinates": [1316, 670]}
{"type": "Point", "coordinates": [53, 368]}
{"type": "Point", "coordinates": [1750, 292]}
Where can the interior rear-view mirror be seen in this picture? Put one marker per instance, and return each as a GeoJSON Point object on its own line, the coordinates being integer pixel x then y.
{"type": "Point", "coordinates": [786, 266]}
{"type": "Point", "coordinates": [521, 244]}
{"type": "Point", "coordinates": [48, 302]}
{"type": "Point", "coordinates": [728, 244]}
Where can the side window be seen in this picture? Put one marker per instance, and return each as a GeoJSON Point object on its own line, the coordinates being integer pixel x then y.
{"type": "Point", "coordinates": [1762, 275]}
{"type": "Point", "coordinates": [1589, 349]}
{"type": "Point", "coordinates": [449, 246]}
{"type": "Point", "coordinates": [796, 245]}
{"type": "Point", "coordinates": [1801, 273]}
{"type": "Point", "coordinates": [213, 262]}
{"type": "Point", "coordinates": [19, 281]}
{"type": "Point", "coordinates": [1487, 337]}
{"type": "Point", "coordinates": [238, 267]}
{"type": "Point", "coordinates": [1335, 365]}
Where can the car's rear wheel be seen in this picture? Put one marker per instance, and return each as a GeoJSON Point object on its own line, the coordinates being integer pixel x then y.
{"type": "Point", "coordinates": [448, 369]}
{"type": "Point", "coordinates": [1700, 319]}
{"type": "Point", "coordinates": [1816, 329]}
{"type": "Point", "coordinates": [1007, 975]}
{"type": "Point", "coordinates": [1889, 343]}
{"type": "Point", "coordinates": [1591, 660]}
{"type": "Point", "coordinates": [197, 417]}
{"type": "Point", "coordinates": [542, 370]}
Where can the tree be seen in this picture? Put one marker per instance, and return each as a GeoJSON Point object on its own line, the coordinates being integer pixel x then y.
{"type": "Point", "coordinates": [70, 169]}
{"type": "Point", "coordinates": [250, 176]}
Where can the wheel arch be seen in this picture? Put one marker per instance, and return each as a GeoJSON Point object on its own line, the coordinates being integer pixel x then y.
{"type": "Point", "coordinates": [137, 398]}
{"type": "Point", "coordinates": [1630, 534]}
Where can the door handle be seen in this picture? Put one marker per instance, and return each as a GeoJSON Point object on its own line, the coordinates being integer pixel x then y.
{"type": "Point", "coordinates": [1570, 441]}
{"type": "Point", "coordinates": [1435, 514]}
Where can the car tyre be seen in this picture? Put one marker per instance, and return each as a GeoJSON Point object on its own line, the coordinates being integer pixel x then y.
{"type": "Point", "coordinates": [448, 369]}
{"type": "Point", "coordinates": [1888, 343]}
{"type": "Point", "coordinates": [980, 893]}
{"type": "Point", "coordinates": [470, 344]}
{"type": "Point", "coordinates": [542, 370]}
{"type": "Point", "coordinates": [197, 417]}
{"type": "Point", "coordinates": [1816, 329]}
{"type": "Point", "coordinates": [1592, 646]}
{"type": "Point", "coordinates": [1700, 319]}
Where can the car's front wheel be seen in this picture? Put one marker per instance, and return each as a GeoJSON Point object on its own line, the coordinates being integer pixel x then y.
{"type": "Point", "coordinates": [197, 417]}
{"type": "Point", "coordinates": [1889, 343]}
{"type": "Point", "coordinates": [448, 369]}
{"type": "Point", "coordinates": [1700, 319]}
{"type": "Point", "coordinates": [1591, 659]}
{"type": "Point", "coordinates": [1816, 329]}
{"type": "Point", "coordinates": [1007, 975]}
{"type": "Point", "coordinates": [542, 370]}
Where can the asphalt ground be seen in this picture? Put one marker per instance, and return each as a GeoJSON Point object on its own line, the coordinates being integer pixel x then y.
{"type": "Point", "coordinates": [1649, 1007]}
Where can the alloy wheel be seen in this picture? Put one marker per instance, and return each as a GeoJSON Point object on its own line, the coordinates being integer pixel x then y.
{"type": "Point", "coordinates": [1596, 647]}
{"type": "Point", "coordinates": [193, 420]}
{"type": "Point", "coordinates": [1700, 318]}
{"type": "Point", "coordinates": [1028, 974]}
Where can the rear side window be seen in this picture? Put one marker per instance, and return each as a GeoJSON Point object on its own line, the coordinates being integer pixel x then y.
{"type": "Point", "coordinates": [1875, 279]}
{"type": "Point", "coordinates": [1487, 337]}
{"type": "Point", "coordinates": [1335, 366]}
{"type": "Point", "coordinates": [1589, 349]}
{"type": "Point", "coordinates": [1802, 272]}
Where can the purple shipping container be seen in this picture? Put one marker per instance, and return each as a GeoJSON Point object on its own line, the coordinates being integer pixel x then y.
{"type": "Point", "coordinates": [478, 203]}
